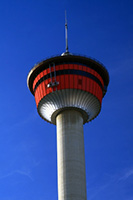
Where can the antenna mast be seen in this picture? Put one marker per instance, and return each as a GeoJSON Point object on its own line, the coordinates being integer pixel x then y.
{"type": "Point", "coordinates": [66, 38]}
{"type": "Point", "coordinates": [66, 32]}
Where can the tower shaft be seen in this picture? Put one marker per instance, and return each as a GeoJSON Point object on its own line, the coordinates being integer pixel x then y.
{"type": "Point", "coordinates": [70, 154]}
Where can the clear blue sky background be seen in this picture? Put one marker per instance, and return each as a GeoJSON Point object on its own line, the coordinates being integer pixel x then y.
{"type": "Point", "coordinates": [31, 31]}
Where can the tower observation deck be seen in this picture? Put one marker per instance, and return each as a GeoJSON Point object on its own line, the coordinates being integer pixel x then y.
{"type": "Point", "coordinates": [68, 91]}
{"type": "Point", "coordinates": [68, 82]}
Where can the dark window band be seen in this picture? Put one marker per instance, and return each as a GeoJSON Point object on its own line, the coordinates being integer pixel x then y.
{"type": "Point", "coordinates": [69, 71]}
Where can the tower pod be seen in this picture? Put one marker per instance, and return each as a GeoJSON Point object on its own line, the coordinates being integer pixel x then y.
{"type": "Point", "coordinates": [68, 82]}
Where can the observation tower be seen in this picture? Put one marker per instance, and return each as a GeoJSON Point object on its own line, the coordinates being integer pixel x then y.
{"type": "Point", "coordinates": [68, 91]}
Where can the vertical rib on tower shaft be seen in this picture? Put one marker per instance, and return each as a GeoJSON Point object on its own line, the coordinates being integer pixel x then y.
{"type": "Point", "coordinates": [70, 154]}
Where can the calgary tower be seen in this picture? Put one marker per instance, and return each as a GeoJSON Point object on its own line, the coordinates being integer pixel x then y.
{"type": "Point", "coordinates": [68, 91]}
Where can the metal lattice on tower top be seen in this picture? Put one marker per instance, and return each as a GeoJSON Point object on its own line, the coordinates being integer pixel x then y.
{"type": "Point", "coordinates": [68, 91]}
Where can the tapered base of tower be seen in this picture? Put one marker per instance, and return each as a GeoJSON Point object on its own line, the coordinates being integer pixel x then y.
{"type": "Point", "coordinates": [70, 154]}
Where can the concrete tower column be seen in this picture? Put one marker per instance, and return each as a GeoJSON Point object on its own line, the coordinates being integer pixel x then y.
{"type": "Point", "coordinates": [70, 155]}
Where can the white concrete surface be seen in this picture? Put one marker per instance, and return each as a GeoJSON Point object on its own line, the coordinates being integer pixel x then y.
{"type": "Point", "coordinates": [70, 155]}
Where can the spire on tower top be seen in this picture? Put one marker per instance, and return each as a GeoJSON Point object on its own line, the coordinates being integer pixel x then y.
{"type": "Point", "coordinates": [66, 32]}
{"type": "Point", "coordinates": [66, 37]}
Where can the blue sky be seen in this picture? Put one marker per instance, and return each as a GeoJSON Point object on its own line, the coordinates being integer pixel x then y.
{"type": "Point", "coordinates": [32, 31]}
